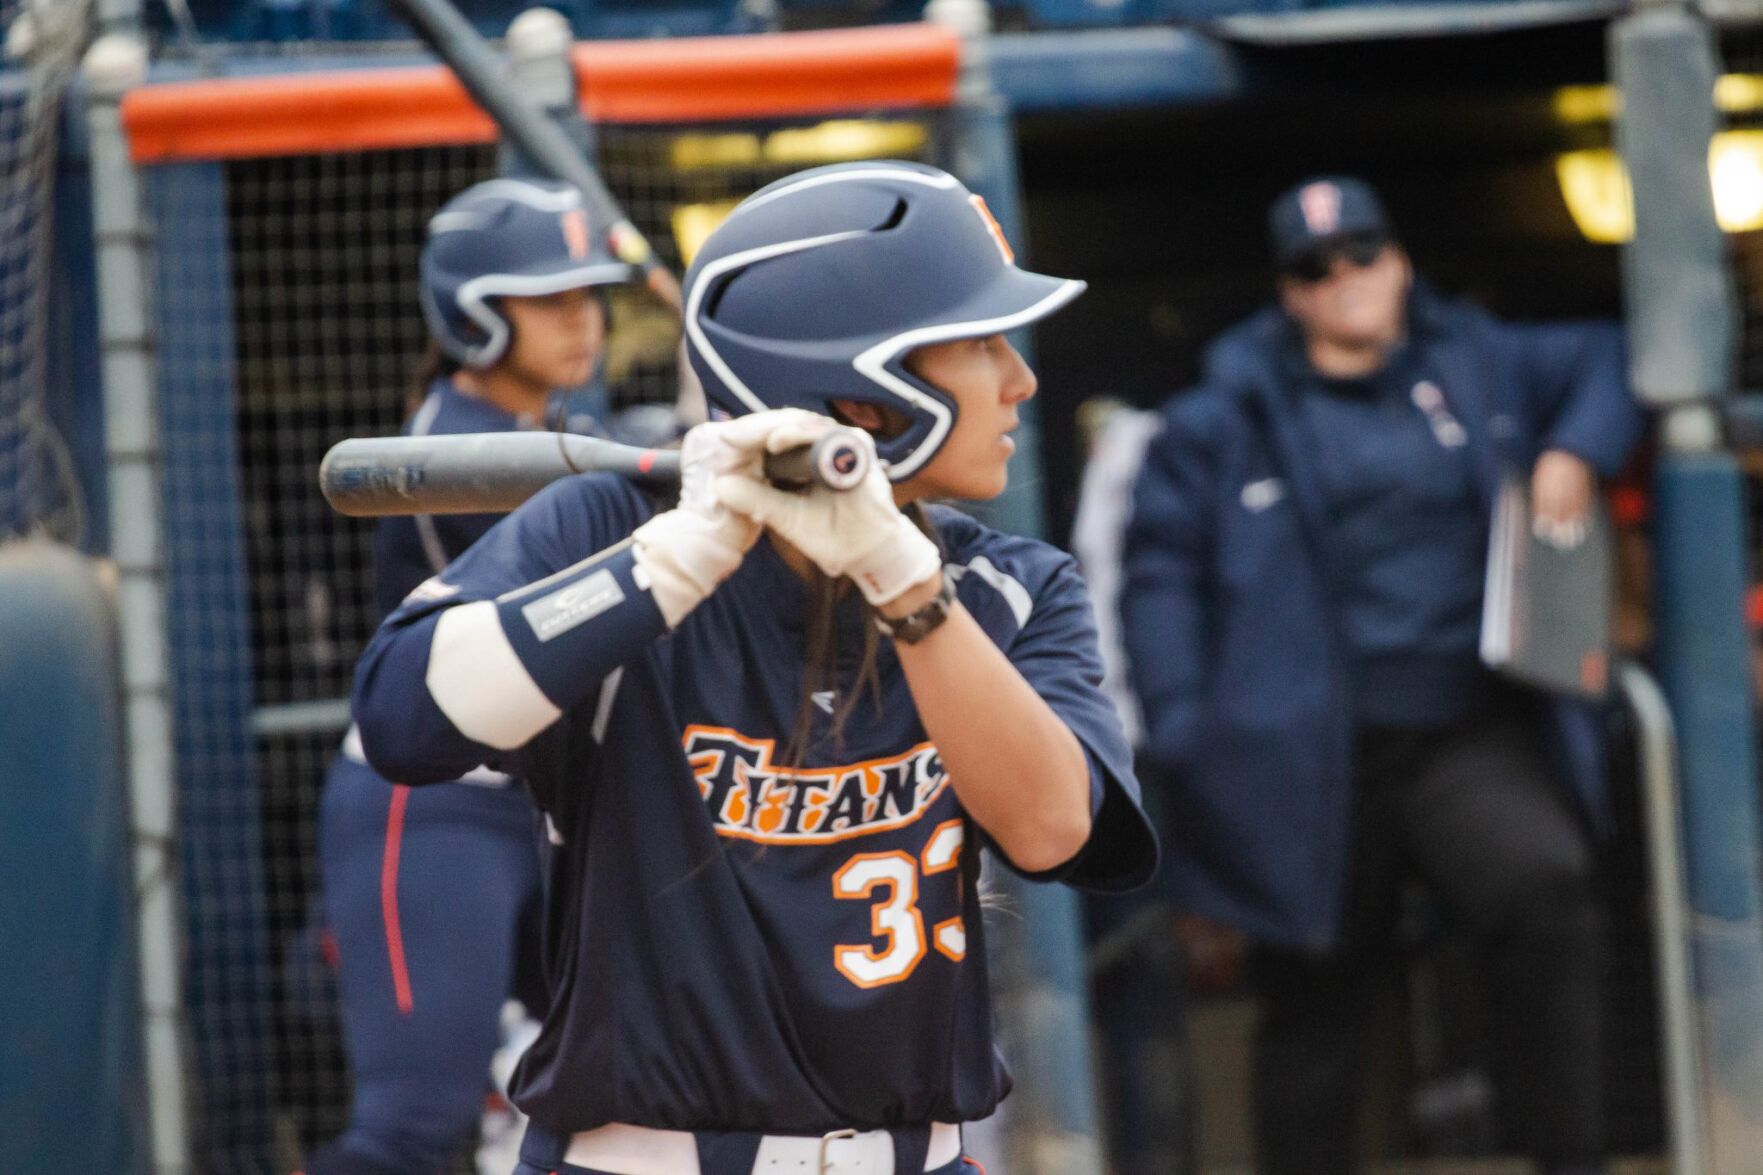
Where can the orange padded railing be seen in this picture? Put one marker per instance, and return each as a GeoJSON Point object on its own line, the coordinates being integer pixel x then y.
{"type": "Point", "coordinates": [685, 80]}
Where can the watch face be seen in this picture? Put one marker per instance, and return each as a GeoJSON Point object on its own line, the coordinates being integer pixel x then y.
{"type": "Point", "coordinates": [914, 628]}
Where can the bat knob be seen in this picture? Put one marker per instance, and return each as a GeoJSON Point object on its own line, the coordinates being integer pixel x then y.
{"type": "Point", "coordinates": [838, 459]}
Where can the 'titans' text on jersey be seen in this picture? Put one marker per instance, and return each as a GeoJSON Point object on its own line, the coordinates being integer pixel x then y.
{"type": "Point", "coordinates": [734, 943]}
{"type": "Point", "coordinates": [749, 798]}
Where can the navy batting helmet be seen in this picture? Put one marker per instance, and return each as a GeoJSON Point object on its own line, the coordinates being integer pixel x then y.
{"type": "Point", "coordinates": [499, 238]}
{"type": "Point", "coordinates": [817, 286]}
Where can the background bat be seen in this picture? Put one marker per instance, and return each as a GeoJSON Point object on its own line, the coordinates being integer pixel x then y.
{"type": "Point", "coordinates": [492, 473]}
{"type": "Point", "coordinates": [479, 69]}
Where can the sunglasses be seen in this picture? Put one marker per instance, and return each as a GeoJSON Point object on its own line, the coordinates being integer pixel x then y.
{"type": "Point", "coordinates": [1359, 250]}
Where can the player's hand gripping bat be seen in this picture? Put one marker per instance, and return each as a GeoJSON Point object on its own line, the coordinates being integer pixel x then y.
{"type": "Point", "coordinates": [492, 473]}
{"type": "Point", "coordinates": [478, 68]}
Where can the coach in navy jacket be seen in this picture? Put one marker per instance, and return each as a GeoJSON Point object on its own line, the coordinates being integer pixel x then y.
{"type": "Point", "coordinates": [1286, 527]}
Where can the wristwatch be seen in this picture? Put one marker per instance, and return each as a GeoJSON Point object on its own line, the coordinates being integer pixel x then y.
{"type": "Point", "coordinates": [915, 626]}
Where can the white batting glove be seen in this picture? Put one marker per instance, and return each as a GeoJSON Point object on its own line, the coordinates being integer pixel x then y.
{"type": "Point", "coordinates": [858, 533]}
{"type": "Point", "coordinates": [685, 552]}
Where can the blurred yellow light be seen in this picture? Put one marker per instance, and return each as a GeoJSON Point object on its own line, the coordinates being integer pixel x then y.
{"type": "Point", "coordinates": [1738, 93]}
{"type": "Point", "coordinates": [1735, 164]}
{"type": "Point", "coordinates": [835, 141]}
{"type": "Point", "coordinates": [1734, 93]}
{"type": "Point", "coordinates": [1576, 105]}
{"type": "Point", "coordinates": [688, 152]}
{"type": "Point", "coordinates": [1595, 186]}
{"type": "Point", "coordinates": [843, 139]}
{"type": "Point", "coordinates": [693, 224]}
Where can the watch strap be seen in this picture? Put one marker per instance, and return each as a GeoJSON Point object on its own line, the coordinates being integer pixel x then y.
{"type": "Point", "coordinates": [926, 619]}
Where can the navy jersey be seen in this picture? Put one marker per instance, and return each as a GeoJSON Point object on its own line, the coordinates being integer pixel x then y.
{"type": "Point", "coordinates": [408, 549]}
{"type": "Point", "coordinates": [737, 944]}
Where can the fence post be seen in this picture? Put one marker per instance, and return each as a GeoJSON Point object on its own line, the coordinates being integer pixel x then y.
{"type": "Point", "coordinates": [1049, 1123]}
{"type": "Point", "coordinates": [539, 45]}
{"type": "Point", "coordinates": [116, 62]}
{"type": "Point", "coordinates": [1681, 314]}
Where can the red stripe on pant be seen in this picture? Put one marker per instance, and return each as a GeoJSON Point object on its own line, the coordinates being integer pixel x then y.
{"type": "Point", "coordinates": [389, 898]}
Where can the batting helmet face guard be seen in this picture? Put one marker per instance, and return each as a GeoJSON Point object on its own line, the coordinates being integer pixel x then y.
{"type": "Point", "coordinates": [506, 237]}
{"type": "Point", "coordinates": [818, 286]}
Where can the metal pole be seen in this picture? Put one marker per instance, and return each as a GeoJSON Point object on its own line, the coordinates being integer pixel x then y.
{"type": "Point", "coordinates": [1681, 327]}
{"type": "Point", "coordinates": [118, 16]}
{"type": "Point", "coordinates": [1703, 659]}
{"type": "Point", "coordinates": [541, 66]}
{"type": "Point", "coordinates": [115, 63]}
{"type": "Point", "coordinates": [1050, 1121]}
{"type": "Point", "coordinates": [1656, 735]}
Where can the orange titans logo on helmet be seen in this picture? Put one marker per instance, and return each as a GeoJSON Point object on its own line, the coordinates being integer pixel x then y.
{"type": "Point", "coordinates": [574, 223]}
{"type": "Point", "coordinates": [993, 227]}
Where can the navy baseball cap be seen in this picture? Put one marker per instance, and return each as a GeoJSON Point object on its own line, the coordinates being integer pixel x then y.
{"type": "Point", "coordinates": [1321, 210]}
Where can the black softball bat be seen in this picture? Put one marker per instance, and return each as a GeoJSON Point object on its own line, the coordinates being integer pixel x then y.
{"type": "Point", "coordinates": [479, 69]}
{"type": "Point", "coordinates": [492, 473]}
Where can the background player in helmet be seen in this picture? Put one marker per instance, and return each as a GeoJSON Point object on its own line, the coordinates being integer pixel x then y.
{"type": "Point", "coordinates": [762, 921]}
{"type": "Point", "coordinates": [424, 890]}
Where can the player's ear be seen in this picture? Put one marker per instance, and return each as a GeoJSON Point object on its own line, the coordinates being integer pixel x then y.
{"type": "Point", "coordinates": [1291, 299]}
{"type": "Point", "coordinates": [1407, 267]}
{"type": "Point", "coordinates": [857, 413]}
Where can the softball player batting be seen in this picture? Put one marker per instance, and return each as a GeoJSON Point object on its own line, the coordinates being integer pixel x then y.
{"type": "Point", "coordinates": [771, 729]}
{"type": "Point", "coordinates": [424, 890]}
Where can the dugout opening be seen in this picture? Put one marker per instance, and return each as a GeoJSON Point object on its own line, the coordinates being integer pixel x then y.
{"type": "Point", "coordinates": [1163, 211]}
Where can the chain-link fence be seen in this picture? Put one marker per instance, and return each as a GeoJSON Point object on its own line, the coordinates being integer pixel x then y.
{"type": "Point", "coordinates": [43, 40]}
{"type": "Point", "coordinates": [288, 320]}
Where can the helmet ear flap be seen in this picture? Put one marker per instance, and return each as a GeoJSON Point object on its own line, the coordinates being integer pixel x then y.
{"type": "Point", "coordinates": [499, 307]}
{"type": "Point", "coordinates": [487, 347]}
{"type": "Point", "coordinates": [718, 288]}
{"type": "Point", "coordinates": [457, 333]}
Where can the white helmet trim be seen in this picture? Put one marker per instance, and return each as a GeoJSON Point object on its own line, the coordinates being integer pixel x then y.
{"type": "Point", "coordinates": [473, 296]}
{"type": "Point", "coordinates": [873, 364]}
{"type": "Point", "coordinates": [520, 191]}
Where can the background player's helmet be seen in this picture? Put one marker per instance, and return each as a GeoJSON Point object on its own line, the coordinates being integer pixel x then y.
{"type": "Point", "coordinates": [506, 237]}
{"type": "Point", "coordinates": [817, 286]}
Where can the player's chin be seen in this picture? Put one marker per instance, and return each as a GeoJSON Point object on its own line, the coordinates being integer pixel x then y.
{"type": "Point", "coordinates": [984, 483]}
{"type": "Point", "coordinates": [972, 470]}
{"type": "Point", "coordinates": [572, 372]}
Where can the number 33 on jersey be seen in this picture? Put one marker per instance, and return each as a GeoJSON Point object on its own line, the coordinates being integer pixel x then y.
{"type": "Point", "coordinates": [748, 798]}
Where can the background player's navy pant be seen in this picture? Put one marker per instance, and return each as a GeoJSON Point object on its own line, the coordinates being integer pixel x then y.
{"type": "Point", "coordinates": [1477, 813]}
{"type": "Point", "coordinates": [425, 891]}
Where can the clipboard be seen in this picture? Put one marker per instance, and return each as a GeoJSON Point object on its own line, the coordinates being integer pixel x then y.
{"type": "Point", "coordinates": [1547, 610]}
